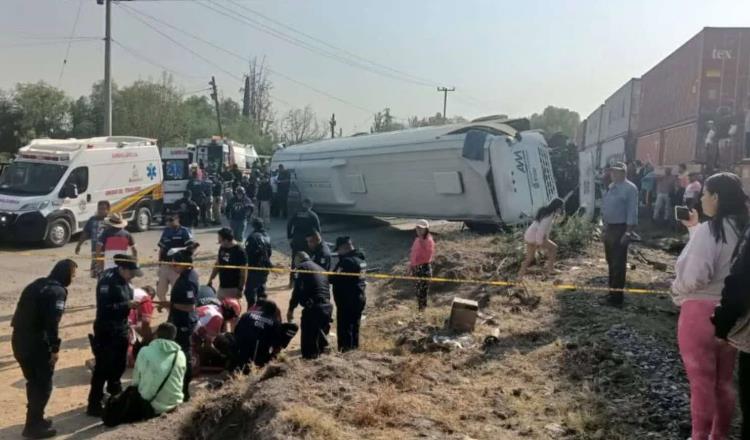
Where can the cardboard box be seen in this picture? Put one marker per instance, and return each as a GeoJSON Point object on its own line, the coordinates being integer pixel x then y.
{"type": "Point", "coordinates": [463, 315]}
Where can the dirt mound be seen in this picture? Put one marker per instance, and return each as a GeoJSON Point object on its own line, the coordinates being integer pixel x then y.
{"type": "Point", "coordinates": [291, 399]}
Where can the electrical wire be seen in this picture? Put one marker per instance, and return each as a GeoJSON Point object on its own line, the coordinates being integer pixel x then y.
{"type": "Point", "coordinates": [135, 14]}
{"type": "Point", "coordinates": [238, 16]}
{"type": "Point", "coordinates": [70, 42]}
{"type": "Point", "coordinates": [406, 76]}
{"type": "Point", "coordinates": [44, 43]}
{"type": "Point", "coordinates": [141, 57]}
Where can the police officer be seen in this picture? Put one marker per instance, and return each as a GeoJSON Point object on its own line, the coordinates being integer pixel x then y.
{"type": "Point", "coordinates": [36, 342]}
{"type": "Point", "coordinates": [182, 307]}
{"type": "Point", "coordinates": [114, 299]}
{"type": "Point", "coordinates": [319, 251]}
{"type": "Point", "coordinates": [299, 226]}
{"type": "Point", "coordinates": [349, 293]}
{"type": "Point", "coordinates": [257, 336]}
{"type": "Point", "coordinates": [312, 291]}
{"type": "Point", "coordinates": [258, 250]}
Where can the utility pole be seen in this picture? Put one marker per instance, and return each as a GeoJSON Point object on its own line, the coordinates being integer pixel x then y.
{"type": "Point", "coordinates": [445, 91]}
{"type": "Point", "coordinates": [332, 123]}
{"type": "Point", "coordinates": [107, 67]}
{"type": "Point", "coordinates": [215, 97]}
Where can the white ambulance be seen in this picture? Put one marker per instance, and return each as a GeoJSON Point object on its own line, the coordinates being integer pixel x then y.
{"type": "Point", "coordinates": [52, 187]}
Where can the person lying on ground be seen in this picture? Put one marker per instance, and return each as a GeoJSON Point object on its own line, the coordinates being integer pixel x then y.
{"type": "Point", "coordinates": [213, 320]}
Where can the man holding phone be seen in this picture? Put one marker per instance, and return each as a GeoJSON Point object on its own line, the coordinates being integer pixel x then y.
{"type": "Point", "coordinates": [620, 217]}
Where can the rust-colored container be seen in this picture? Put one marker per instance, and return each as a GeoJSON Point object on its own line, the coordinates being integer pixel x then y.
{"type": "Point", "coordinates": [698, 93]}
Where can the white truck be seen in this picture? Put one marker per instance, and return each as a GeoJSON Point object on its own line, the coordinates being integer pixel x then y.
{"type": "Point", "coordinates": [217, 153]}
{"type": "Point", "coordinates": [484, 173]}
{"type": "Point", "coordinates": [52, 187]}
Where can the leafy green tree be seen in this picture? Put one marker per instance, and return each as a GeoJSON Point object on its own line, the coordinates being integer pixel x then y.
{"type": "Point", "coordinates": [556, 120]}
{"type": "Point", "coordinates": [44, 110]}
{"type": "Point", "coordinates": [10, 124]}
{"type": "Point", "coordinates": [150, 109]}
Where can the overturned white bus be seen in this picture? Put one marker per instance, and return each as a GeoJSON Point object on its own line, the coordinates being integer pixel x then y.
{"type": "Point", "coordinates": [482, 173]}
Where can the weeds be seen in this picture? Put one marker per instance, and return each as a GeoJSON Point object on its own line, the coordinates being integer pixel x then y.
{"type": "Point", "coordinates": [308, 422]}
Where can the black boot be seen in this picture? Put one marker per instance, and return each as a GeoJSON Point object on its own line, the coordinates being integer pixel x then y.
{"type": "Point", "coordinates": [38, 429]}
{"type": "Point", "coordinates": [94, 410]}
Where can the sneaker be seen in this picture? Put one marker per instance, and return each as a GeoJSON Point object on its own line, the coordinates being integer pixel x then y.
{"type": "Point", "coordinates": [38, 431]}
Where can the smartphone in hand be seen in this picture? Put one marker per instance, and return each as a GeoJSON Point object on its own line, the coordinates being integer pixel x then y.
{"type": "Point", "coordinates": [681, 213]}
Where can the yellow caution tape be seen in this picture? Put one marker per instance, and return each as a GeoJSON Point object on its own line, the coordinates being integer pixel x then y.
{"type": "Point", "coordinates": [376, 276]}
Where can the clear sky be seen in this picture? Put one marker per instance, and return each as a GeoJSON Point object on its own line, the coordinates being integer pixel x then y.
{"type": "Point", "coordinates": [502, 56]}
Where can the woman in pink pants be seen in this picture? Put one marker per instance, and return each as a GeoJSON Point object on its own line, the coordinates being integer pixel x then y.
{"type": "Point", "coordinates": [700, 272]}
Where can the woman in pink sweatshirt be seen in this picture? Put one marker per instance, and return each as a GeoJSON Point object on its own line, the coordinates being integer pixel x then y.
{"type": "Point", "coordinates": [420, 260]}
{"type": "Point", "coordinates": [699, 278]}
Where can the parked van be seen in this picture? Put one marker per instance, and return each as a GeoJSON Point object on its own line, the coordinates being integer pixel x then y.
{"type": "Point", "coordinates": [484, 173]}
{"type": "Point", "coordinates": [52, 187]}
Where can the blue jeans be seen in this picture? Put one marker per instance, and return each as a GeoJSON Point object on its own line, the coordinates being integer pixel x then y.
{"type": "Point", "coordinates": [238, 228]}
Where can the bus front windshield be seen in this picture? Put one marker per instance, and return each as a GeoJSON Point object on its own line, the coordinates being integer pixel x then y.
{"type": "Point", "coordinates": [30, 178]}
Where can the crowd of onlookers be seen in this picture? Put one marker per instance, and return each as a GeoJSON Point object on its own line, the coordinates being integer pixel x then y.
{"type": "Point", "coordinates": [659, 191]}
{"type": "Point", "coordinates": [234, 194]}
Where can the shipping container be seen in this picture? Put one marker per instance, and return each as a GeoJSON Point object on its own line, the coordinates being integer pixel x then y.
{"type": "Point", "coordinates": [648, 149]}
{"type": "Point", "coordinates": [594, 129]}
{"type": "Point", "coordinates": [621, 110]}
{"type": "Point", "coordinates": [694, 104]}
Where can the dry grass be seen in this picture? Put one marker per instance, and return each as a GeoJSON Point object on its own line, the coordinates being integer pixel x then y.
{"type": "Point", "coordinates": [313, 424]}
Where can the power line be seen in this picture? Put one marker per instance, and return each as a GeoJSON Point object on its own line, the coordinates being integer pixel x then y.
{"type": "Point", "coordinates": [177, 43]}
{"type": "Point", "coordinates": [238, 16]}
{"type": "Point", "coordinates": [348, 57]}
{"type": "Point", "coordinates": [45, 43]}
{"type": "Point", "coordinates": [70, 42]}
{"type": "Point", "coordinates": [141, 57]}
{"type": "Point", "coordinates": [412, 78]}
{"type": "Point", "coordinates": [229, 52]}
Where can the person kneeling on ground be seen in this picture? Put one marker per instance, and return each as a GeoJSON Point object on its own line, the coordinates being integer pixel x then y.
{"type": "Point", "coordinates": [157, 381]}
{"type": "Point", "coordinates": [257, 339]}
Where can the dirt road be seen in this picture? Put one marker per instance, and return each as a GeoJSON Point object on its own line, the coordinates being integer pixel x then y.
{"type": "Point", "coordinates": [383, 241]}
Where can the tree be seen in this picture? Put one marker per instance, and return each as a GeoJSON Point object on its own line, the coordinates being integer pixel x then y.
{"type": "Point", "coordinates": [199, 116]}
{"type": "Point", "coordinates": [230, 110]}
{"type": "Point", "coordinates": [44, 110]}
{"type": "Point", "coordinates": [256, 105]}
{"type": "Point", "coordinates": [83, 118]}
{"type": "Point", "coordinates": [301, 125]}
{"type": "Point", "coordinates": [556, 120]}
{"type": "Point", "coordinates": [384, 121]}
{"type": "Point", "coordinates": [150, 109]}
{"type": "Point", "coordinates": [429, 121]}
{"type": "Point", "coordinates": [10, 124]}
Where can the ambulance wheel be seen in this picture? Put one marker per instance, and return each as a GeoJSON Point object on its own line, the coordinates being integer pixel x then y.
{"type": "Point", "coordinates": [142, 219]}
{"type": "Point", "coordinates": [58, 233]}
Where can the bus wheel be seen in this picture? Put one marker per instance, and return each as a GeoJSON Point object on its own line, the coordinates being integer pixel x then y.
{"type": "Point", "coordinates": [58, 233]}
{"type": "Point", "coordinates": [142, 219]}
